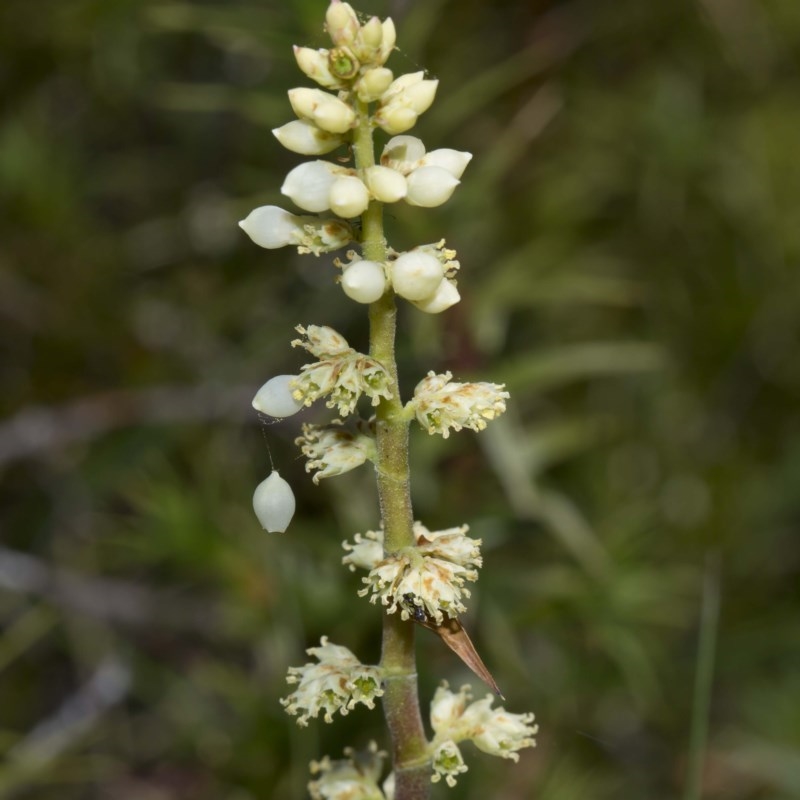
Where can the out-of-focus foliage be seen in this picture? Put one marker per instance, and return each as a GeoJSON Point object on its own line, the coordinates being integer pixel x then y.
{"type": "Point", "coordinates": [629, 238]}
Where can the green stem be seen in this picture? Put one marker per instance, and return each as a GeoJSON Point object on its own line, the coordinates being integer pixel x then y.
{"type": "Point", "coordinates": [398, 660]}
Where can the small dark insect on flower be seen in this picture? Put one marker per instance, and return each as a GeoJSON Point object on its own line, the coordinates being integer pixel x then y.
{"type": "Point", "coordinates": [416, 611]}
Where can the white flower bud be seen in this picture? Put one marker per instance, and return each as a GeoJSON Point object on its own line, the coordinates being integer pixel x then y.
{"type": "Point", "coordinates": [396, 118]}
{"type": "Point", "coordinates": [348, 196]}
{"type": "Point", "coordinates": [275, 398]}
{"type": "Point", "coordinates": [364, 281]}
{"type": "Point", "coordinates": [309, 184]}
{"type": "Point", "coordinates": [304, 137]}
{"type": "Point", "coordinates": [386, 185]}
{"type": "Point", "coordinates": [371, 34]}
{"type": "Point", "coordinates": [403, 153]}
{"type": "Point", "coordinates": [445, 296]}
{"type": "Point", "coordinates": [328, 112]}
{"type": "Point", "coordinates": [373, 83]}
{"type": "Point", "coordinates": [314, 63]}
{"type": "Point", "coordinates": [454, 161]}
{"type": "Point", "coordinates": [416, 275]}
{"type": "Point", "coordinates": [403, 82]}
{"type": "Point", "coordinates": [430, 186]}
{"type": "Point", "coordinates": [272, 227]}
{"type": "Point", "coordinates": [273, 502]}
{"type": "Point", "coordinates": [341, 23]}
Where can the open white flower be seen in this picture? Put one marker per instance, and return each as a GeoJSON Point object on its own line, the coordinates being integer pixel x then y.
{"type": "Point", "coordinates": [441, 404]}
{"type": "Point", "coordinates": [447, 763]}
{"type": "Point", "coordinates": [354, 777]}
{"type": "Point", "coordinates": [333, 449]}
{"type": "Point", "coordinates": [338, 682]}
{"type": "Point", "coordinates": [430, 576]}
{"type": "Point", "coordinates": [341, 373]}
{"type": "Point", "coordinates": [493, 730]}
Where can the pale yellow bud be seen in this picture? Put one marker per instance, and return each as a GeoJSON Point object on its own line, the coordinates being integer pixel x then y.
{"type": "Point", "coordinates": [314, 63]}
{"type": "Point", "coordinates": [396, 118]}
{"type": "Point", "coordinates": [386, 185]}
{"type": "Point", "coordinates": [341, 23]}
{"type": "Point", "coordinates": [373, 83]}
{"type": "Point", "coordinates": [326, 111]}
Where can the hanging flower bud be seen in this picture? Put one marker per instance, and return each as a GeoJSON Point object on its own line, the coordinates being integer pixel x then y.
{"type": "Point", "coordinates": [430, 186]}
{"type": "Point", "coordinates": [445, 296]}
{"type": "Point", "coordinates": [364, 281]}
{"type": "Point", "coordinates": [348, 196]}
{"type": "Point", "coordinates": [416, 275]}
{"type": "Point", "coordinates": [386, 185]}
{"type": "Point", "coordinates": [273, 502]}
{"type": "Point", "coordinates": [304, 137]}
{"type": "Point", "coordinates": [275, 397]}
{"type": "Point", "coordinates": [328, 112]}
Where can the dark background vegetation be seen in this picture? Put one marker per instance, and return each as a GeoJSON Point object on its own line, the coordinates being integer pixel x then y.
{"type": "Point", "coordinates": [629, 232]}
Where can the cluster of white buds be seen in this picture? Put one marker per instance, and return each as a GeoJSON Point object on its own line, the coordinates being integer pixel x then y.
{"type": "Point", "coordinates": [333, 449]}
{"type": "Point", "coordinates": [440, 404]}
{"type": "Point", "coordinates": [429, 576]}
{"type": "Point", "coordinates": [493, 730]}
{"type": "Point", "coordinates": [337, 683]}
{"type": "Point", "coordinates": [354, 777]}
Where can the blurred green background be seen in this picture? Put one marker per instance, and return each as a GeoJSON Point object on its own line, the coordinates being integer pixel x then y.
{"type": "Point", "coordinates": [629, 239]}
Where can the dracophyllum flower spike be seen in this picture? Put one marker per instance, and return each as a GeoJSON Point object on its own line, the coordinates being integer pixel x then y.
{"type": "Point", "coordinates": [274, 504]}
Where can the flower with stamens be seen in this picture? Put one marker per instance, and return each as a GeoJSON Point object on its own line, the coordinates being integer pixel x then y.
{"type": "Point", "coordinates": [440, 404]}
{"type": "Point", "coordinates": [447, 763]}
{"type": "Point", "coordinates": [366, 552]}
{"type": "Point", "coordinates": [338, 682]}
{"type": "Point", "coordinates": [341, 372]}
{"type": "Point", "coordinates": [493, 730]}
{"type": "Point", "coordinates": [354, 777]}
{"type": "Point", "coordinates": [333, 449]}
{"type": "Point", "coordinates": [433, 572]}
{"type": "Point", "coordinates": [272, 227]}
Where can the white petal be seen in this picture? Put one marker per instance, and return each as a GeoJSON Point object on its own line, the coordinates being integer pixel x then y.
{"type": "Point", "coordinates": [309, 185]}
{"type": "Point", "coordinates": [385, 184]}
{"type": "Point", "coordinates": [430, 186]}
{"type": "Point", "coordinates": [454, 161]}
{"type": "Point", "coordinates": [273, 502]}
{"type": "Point", "coordinates": [304, 137]}
{"type": "Point", "coordinates": [446, 295]}
{"type": "Point", "coordinates": [364, 281]}
{"type": "Point", "coordinates": [348, 197]}
{"type": "Point", "coordinates": [416, 275]}
{"type": "Point", "coordinates": [271, 226]}
{"type": "Point", "coordinates": [275, 397]}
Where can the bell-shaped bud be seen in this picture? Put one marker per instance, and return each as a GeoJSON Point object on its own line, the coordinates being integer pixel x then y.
{"type": "Point", "coordinates": [445, 296]}
{"type": "Point", "coordinates": [403, 82]}
{"type": "Point", "coordinates": [309, 184]}
{"type": "Point", "coordinates": [304, 137]}
{"type": "Point", "coordinates": [454, 161]}
{"type": "Point", "coordinates": [430, 186]}
{"type": "Point", "coordinates": [348, 196]}
{"type": "Point", "coordinates": [364, 281]}
{"type": "Point", "coordinates": [314, 63]}
{"type": "Point", "coordinates": [272, 227]}
{"type": "Point", "coordinates": [373, 83]}
{"type": "Point", "coordinates": [386, 185]}
{"type": "Point", "coordinates": [274, 504]}
{"type": "Point", "coordinates": [416, 275]}
{"type": "Point", "coordinates": [341, 23]}
{"type": "Point", "coordinates": [403, 153]}
{"type": "Point", "coordinates": [328, 112]}
{"type": "Point", "coordinates": [420, 96]}
{"type": "Point", "coordinates": [276, 399]}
